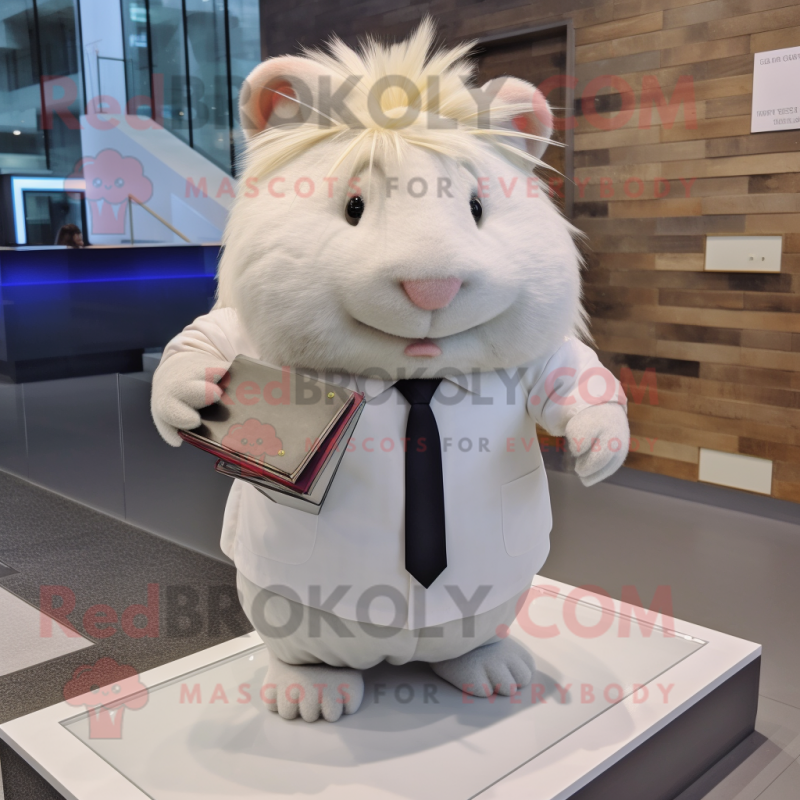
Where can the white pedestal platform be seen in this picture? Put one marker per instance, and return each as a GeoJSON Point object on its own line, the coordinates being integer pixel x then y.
{"type": "Point", "coordinates": [619, 707]}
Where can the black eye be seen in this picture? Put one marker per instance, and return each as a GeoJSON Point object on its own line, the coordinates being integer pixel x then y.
{"type": "Point", "coordinates": [476, 208]}
{"type": "Point", "coordinates": [355, 209]}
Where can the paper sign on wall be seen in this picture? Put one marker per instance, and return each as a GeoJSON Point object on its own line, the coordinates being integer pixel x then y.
{"type": "Point", "coordinates": [776, 91]}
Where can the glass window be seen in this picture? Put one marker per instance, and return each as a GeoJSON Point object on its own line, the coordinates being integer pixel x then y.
{"type": "Point", "coordinates": [169, 37]}
{"type": "Point", "coordinates": [46, 212]}
{"type": "Point", "coordinates": [245, 50]}
{"type": "Point", "coordinates": [22, 144]}
{"type": "Point", "coordinates": [168, 52]}
{"type": "Point", "coordinates": [62, 88]}
{"type": "Point", "coordinates": [137, 55]}
{"type": "Point", "coordinates": [208, 85]}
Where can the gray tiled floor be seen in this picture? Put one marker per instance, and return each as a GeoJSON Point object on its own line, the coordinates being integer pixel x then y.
{"type": "Point", "coordinates": [727, 570]}
{"type": "Point", "coordinates": [787, 786]}
{"type": "Point", "coordinates": [756, 767]}
{"type": "Point", "coordinates": [51, 540]}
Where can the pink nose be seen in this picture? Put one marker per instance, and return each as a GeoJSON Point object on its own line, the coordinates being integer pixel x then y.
{"type": "Point", "coordinates": [430, 294]}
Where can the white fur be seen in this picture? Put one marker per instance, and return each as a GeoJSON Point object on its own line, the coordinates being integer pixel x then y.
{"type": "Point", "coordinates": [312, 691]}
{"type": "Point", "coordinates": [598, 437]}
{"type": "Point", "coordinates": [405, 92]}
{"type": "Point", "coordinates": [500, 668]}
{"type": "Point", "coordinates": [313, 291]}
{"type": "Point", "coordinates": [187, 385]}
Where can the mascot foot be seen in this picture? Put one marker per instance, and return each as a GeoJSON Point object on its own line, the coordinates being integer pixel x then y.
{"type": "Point", "coordinates": [499, 668]}
{"type": "Point", "coordinates": [312, 692]}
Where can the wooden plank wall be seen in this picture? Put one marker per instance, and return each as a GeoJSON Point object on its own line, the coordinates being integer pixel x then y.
{"type": "Point", "coordinates": [725, 347]}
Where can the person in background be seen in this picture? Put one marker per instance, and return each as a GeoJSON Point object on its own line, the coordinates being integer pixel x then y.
{"type": "Point", "coordinates": [70, 236]}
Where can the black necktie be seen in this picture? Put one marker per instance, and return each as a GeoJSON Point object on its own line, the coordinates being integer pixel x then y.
{"type": "Point", "coordinates": [426, 548]}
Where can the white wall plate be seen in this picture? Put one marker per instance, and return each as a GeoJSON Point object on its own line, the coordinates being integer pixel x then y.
{"type": "Point", "coordinates": [743, 253]}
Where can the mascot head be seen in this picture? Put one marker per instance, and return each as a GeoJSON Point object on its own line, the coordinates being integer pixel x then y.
{"type": "Point", "coordinates": [389, 218]}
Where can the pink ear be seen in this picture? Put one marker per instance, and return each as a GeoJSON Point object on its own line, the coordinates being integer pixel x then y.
{"type": "Point", "coordinates": [538, 121]}
{"type": "Point", "coordinates": [270, 93]}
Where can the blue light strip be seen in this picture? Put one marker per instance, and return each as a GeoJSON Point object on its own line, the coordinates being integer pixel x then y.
{"type": "Point", "coordinates": [110, 280]}
{"type": "Point", "coordinates": [20, 184]}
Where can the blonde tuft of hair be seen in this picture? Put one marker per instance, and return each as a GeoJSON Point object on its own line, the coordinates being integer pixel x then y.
{"type": "Point", "coordinates": [438, 86]}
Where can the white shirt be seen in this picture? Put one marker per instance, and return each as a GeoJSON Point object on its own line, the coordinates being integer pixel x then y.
{"type": "Point", "coordinates": [497, 506]}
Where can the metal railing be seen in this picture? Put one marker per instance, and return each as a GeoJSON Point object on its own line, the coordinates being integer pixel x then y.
{"type": "Point", "coordinates": [152, 213]}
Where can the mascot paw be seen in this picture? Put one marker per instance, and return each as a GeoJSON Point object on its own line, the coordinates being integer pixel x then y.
{"type": "Point", "coordinates": [183, 384]}
{"type": "Point", "coordinates": [499, 668]}
{"type": "Point", "coordinates": [312, 692]}
{"type": "Point", "coordinates": [598, 437]}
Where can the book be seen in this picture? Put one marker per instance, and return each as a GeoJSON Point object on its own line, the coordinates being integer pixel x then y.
{"type": "Point", "coordinates": [282, 432]}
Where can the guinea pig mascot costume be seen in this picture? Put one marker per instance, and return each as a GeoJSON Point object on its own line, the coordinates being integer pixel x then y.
{"type": "Point", "coordinates": [390, 235]}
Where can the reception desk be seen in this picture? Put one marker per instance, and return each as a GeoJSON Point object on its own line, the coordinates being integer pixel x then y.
{"type": "Point", "coordinates": [69, 313]}
{"type": "Point", "coordinates": [71, 322]}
